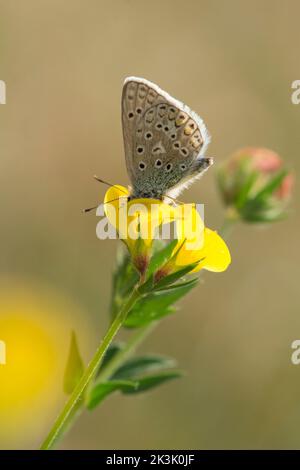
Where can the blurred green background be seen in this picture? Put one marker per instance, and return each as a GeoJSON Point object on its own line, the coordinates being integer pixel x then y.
{"type": "Point", "coordinates": [64, 63]}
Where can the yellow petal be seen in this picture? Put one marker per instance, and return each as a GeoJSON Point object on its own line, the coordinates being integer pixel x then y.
{"type": "Point", "coordinates": [189, 227]}
{"type": "Point", "coordinates": [217, 255]}
{"type": "Point", "coordinates": [114, 197]}
{"type": "Point", "coordinates": [138, 218]}
{"type": "Point", "coordinates": [214, 254]}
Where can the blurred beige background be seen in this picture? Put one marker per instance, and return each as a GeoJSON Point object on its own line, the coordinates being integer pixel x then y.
{"type": "Point", "coordinates": [64, 63]}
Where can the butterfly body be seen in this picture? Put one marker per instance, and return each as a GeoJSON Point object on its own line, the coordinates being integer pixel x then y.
{"type": "Point", "coordinates": [164, 141]}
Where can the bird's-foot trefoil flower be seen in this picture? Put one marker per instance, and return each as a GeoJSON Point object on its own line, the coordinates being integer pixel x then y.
{"type": "Point", "coordinates": [197, 245]}
{"type": "Point", "coordinates": [137, 222]}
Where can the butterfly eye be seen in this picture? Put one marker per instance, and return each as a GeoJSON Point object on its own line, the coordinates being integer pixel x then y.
{"type": "Point", "coordinates": [148, 135]}
{"type": "Point", "coordinates": [158, 163]}
{"type": "Point", "coordinates": [130, 115]}
{"type": "Point", "coordinates": [140, 149]}
{"type": "Point", "coordinates": [182, 167]}
{"type": "Point", "coordinates": [142, 166]}
{"type": "Point", "coordinates": [169, 167]}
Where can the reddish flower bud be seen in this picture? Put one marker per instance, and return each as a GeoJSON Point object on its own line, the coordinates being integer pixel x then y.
{"type": "Point", "coordinates": [255, 184]}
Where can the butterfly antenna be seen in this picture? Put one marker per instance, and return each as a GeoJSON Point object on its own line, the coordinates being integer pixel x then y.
{"type": "Point", "coordinates": [116, 199]}
{"type": "Point", "coordinates": [89, 209]}
{"type": "Point", "coordinates": [106, 183]}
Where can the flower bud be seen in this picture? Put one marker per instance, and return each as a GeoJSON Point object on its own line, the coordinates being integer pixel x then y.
{"type": "Point", "coordinates": [255, 185]}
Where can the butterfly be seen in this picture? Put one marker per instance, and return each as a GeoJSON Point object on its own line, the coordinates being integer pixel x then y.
{"type": "Point", "coordinates": [164, 140]}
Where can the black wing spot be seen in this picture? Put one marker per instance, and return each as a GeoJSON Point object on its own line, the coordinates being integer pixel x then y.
{"type": "Point", "coordinates": [184, 151]}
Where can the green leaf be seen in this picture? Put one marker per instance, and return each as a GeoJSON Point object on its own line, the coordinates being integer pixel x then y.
{"type": "Point", "coordinates": [139, 365]}
{"type": "Point", "coordinates": [267, 216]}
{"type": "Point", "coordinates": [171, 278]}
{"type": "Point", "coordinates": [156, 305]}
{"type": "Point", "coordinates": [191, 282]}
{"type": "Point", "coordinates": [74, 368]}
{"type": "Point", "coordinates": [102, 390]}
{"type": "Point", "coordinates": [151, 381]}
{"type": "Point", "coordinates": [147, 286]}
{"type": "Point", "coordinates": [271, 186]}
{"type": "Point", "coordinates": [161, 257]}
{"type": "Point", "coordinates": [129, 387]}
{"type": "Point", "coordinates": [245, 189]}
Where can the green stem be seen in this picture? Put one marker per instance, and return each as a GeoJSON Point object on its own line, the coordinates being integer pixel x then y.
{"type": "Point", "coordinates": [229, 221]}
{"type": "Point", "coordinates": [70, 406]}
{"type": "Point", "coordinates": [126, 352]}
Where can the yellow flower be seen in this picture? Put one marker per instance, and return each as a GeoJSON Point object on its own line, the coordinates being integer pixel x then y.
{"type": "Point", "coordinates": [212, 256]}
{"type": "Point", "coordinates": [198, 244]}
{"type": "Point", "coordinates": [137, 222]}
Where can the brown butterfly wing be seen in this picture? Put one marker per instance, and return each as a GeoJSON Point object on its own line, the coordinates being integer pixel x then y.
{"type": "Point", "coordinates": [164, 140]}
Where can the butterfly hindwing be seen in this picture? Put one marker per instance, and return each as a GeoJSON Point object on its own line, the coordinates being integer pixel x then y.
{"type": "Point", "coordinates": [164, 140]}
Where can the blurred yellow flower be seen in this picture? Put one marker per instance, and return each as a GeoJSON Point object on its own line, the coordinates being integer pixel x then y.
{"type": "Point", "coordinates": [33, 327]}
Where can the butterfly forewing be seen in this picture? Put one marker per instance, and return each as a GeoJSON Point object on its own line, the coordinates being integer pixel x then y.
{"type": "Point", "coordinates": [164, 140]}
